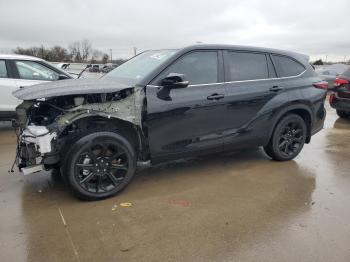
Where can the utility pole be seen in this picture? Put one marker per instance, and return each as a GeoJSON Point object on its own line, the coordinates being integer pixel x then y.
{"type": "Point", "coordinates": [135, 51]}
{"type": "Point", "coordinates": [110, 51]}
{"type": "Point", "coordinates": [42, 51]}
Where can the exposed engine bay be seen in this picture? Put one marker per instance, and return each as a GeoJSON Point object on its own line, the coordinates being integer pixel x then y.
{"type": "Point", "coordinates": [45, 125]}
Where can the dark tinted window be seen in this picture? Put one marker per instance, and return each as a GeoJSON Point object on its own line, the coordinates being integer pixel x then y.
{"type": "Point", "coordinates": [287, 67]}
{"type": "Point", "coordinates": [272, 71]}
{"type": "Point", "coordinates": [198, 67]}
{"type": "Point", "coordinates": [247, 66]}
{"type": "Point", "coordinates": [3, 70]}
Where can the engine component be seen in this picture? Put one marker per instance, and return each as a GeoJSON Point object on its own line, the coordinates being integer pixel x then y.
{"type": "Point", "coordinates": [40, 136]}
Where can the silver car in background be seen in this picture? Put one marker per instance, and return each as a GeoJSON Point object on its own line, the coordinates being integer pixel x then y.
{"type": "Point", "coordinates": [328, 75]}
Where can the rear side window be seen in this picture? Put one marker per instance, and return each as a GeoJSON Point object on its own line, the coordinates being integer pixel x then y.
{"type": "Point", "coordinates": [35, 71]}
{"type": "Point", "coordinates": [247, 66]}
{"type": "Point", "coordinates": [287, 66]}
{"type": "Point", "coordinates": [3, 70]}
{"type": "Point", "coordinates": [200, 67]}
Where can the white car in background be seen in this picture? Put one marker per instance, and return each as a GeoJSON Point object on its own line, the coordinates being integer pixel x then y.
{"type": "Point", "coordinates": [18, 71]}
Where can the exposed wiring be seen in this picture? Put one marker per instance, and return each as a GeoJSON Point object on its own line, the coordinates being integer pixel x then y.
{"type": "Point", "coordinates": [17, 149]}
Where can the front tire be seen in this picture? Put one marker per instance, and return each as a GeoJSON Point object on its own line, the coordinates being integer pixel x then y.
{"type": "Point", "coordinates": [99, 165]}
{"type": "Point", "coordinates": [287, 139]}
{"type": "Point", "coordinates": [343, 114]}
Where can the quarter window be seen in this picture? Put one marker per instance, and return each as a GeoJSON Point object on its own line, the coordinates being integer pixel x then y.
{"type": "Point", "coordinates": [3, 70]}
{"type": "Point", "coordinates": [198, 67]}
{"type": "Point", "coordinates": [287, 66]}
{"type": "Point", "coordinates": [247, 66]}
{"type": "Point", "coordinates": [35, 71]}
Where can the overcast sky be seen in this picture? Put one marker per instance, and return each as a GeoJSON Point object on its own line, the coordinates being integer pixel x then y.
{"type": "Point", "coordinates": [317, 28]}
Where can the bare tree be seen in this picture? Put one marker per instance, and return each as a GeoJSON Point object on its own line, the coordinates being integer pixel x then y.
{"type": "Point", "coordinates": [96, 56]}
{"type": "Point", "coordinates": [86, 49]}
{"type": "Point", "coordinates": [32, 51]}
{"type": "Point", "coordinates": [78, 51]}
{"type": "Point", "coordinates": [104, 59]}
{"type": "Point", "coordinates": [74, 49]}
{"type": "Point", "coordinates": [58, 54]}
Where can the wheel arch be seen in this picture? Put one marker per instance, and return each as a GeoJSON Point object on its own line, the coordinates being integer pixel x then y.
{"type": "Point", "coordinates": [129, 130]}
{"type": "Point", "coordinates": [299, 109]}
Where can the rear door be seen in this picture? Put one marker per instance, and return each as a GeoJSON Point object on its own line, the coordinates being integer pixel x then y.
{"type": "Point", "coordinates": [251, 84]}
{"type": "Point", "coordinates": [192, 118]}
{"type": "Point", "coordinates": [8, 102]}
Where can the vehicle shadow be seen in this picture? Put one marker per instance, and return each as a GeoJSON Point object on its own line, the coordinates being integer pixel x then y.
{"type": "Point", "coordinates": [342, 123]}
{"type": "Point", "coordinates": [228, 198]}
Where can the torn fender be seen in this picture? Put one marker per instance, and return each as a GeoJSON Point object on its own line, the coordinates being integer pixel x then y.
{"type": "Point", "coordinates": [128, 109]}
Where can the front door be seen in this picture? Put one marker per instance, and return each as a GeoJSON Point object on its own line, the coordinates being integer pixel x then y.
{"type": "Point", "coordinates": [191, 119]}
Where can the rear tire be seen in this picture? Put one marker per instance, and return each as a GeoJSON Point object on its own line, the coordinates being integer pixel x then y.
{"type": "Point", "coordinates": [288, 138]}
{"type": "Point", "coordinates": [99, 165]}
{"type": "Point", "coordinates": [343, 114]}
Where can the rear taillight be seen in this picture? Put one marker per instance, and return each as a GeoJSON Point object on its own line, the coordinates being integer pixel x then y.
{"type": "Point", "coordinates": [339, 82]}
{"type": "Point", "coordinates": [331, 97]}
{"type": "Point", "coordinates": [321, 85]}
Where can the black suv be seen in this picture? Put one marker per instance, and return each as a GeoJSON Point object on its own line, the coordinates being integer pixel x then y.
{"type": "Point", "coordinates": [340, 98]}
{"type": "Point", "coordinates": [163, 105]}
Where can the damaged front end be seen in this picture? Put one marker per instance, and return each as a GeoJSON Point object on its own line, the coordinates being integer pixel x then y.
{"type": "Point", "coordinates": [47, 125]}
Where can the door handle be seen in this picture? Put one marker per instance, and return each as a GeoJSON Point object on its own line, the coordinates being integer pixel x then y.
{"type": "Point", "coordinates": [215, 97]}
{"type": "Point", "coordinates": [276, 88]}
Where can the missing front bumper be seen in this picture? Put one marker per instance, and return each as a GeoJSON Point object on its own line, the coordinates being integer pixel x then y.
{"type": "Point", "coordinates": [32, 169]}
{"type": "Point", "coordinates": [35, 143]}
{"type": "Point", "coordinates": [39, 136]}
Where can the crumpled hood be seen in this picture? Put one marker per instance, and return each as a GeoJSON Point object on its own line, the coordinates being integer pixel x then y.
{"type": "Point", "coordinates": [69, 87]}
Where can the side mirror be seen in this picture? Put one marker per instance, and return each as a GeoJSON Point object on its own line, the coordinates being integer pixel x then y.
{"type": "Point", "coordinates": [174, 80]}
{"type": "Point", "coordinates": [62, 77]}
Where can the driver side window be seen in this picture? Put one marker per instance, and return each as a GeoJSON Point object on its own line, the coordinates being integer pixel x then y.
{"type": "Point", "coordinates": [200, 67]}
{"type": "Point", "coordinates": [35, 71]}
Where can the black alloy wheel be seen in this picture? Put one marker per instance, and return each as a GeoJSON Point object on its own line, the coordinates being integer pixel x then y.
{"type": "Point", "coordinates": [288, 138]}
{"type": "Point", "coordinates": [100, 165]}
{"type": "Point", "coordinates": [291, 138]}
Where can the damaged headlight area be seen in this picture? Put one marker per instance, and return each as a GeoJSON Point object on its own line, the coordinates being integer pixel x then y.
{"type": "Point", "coordinates": [34, 143]}
{"type": "Point", "coordinates": [45, 126]}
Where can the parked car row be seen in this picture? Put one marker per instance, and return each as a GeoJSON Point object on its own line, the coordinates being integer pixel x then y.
{"type": "Point", "coordinates": [104, 69]}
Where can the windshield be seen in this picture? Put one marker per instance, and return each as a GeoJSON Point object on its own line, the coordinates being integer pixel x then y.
{"type": "Point", "coordinates": [138, 67]}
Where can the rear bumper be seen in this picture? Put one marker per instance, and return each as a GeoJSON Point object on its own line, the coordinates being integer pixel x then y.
{"type": "Point", "coordinates": [340, 103]}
